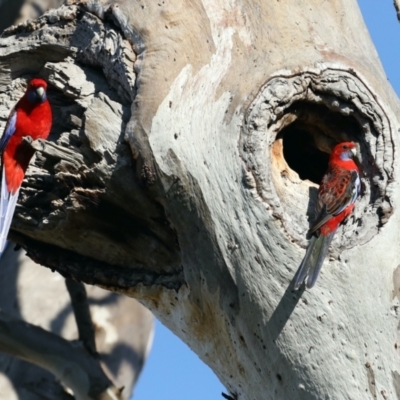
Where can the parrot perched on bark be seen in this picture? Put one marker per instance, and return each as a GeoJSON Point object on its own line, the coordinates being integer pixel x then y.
{"type": "Point", "coordinates": [339, 189]}
{"type": "Point", "coordinates": [32, 117]}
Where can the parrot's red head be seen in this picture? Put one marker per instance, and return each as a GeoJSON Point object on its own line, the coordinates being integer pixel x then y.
{"type": "Point", "coordinates": [36, 91]}
{"type": "Point", "coordinates": [345, 151]}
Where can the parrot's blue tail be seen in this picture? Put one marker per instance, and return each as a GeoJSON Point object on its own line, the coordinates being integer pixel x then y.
{"type": "Point", "coordinates": [311, 265]}
{"type": "Point", "coordinates": [8, 201]}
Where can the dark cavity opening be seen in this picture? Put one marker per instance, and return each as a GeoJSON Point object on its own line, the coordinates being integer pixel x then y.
{"type": "Point", "coordinates": [302, 155]}
{"type": "Point", "coordinates": [308, 140]}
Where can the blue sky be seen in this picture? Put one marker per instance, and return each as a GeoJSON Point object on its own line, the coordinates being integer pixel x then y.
{"type": "Point", "coordinates": [173, 371]}
{"type": "Point", "coordinates": [384, 28]}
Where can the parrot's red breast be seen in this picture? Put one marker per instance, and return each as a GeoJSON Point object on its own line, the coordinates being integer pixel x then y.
{"type": "Point", "coordinates": [32, 117]}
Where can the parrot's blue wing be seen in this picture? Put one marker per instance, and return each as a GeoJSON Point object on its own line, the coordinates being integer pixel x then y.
{"type": "Point", "coordinates": [9, 130]}
{"type": "Point", "coordinates": [7, 201]}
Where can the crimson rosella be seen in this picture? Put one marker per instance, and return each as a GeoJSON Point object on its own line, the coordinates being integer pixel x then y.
{"type": "Point", "coordinates": [30, 117]}
{"type": "Point", "coordinates": [337, 194]}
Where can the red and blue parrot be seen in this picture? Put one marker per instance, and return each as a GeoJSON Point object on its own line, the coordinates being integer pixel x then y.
{"type": "Point", "coordinates": [337, 194]}
{"type": "Point", "coordinates": [32, 117]}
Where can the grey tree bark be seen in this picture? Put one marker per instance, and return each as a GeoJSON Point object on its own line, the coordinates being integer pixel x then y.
{"type": "Point", "coordinates": [188, 141]}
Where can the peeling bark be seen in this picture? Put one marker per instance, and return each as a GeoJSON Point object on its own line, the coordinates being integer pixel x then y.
{"type": "Point", "coordinates": [188, 142]}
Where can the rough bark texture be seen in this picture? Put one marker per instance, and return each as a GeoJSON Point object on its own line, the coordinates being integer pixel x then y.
{"type": "Point", "coordinates": [230, 109]}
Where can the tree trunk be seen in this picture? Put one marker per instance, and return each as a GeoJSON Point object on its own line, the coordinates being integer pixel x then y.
{"type": "Point", "coordinates": [230, 110]}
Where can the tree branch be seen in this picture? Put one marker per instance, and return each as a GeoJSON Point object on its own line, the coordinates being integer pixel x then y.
{"type": "Point", "coordinates": [68, 361]}
{"type": "Point", "coordinates": [397, 7]}
{"type": "Point", "coordinates": [80, 305]}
